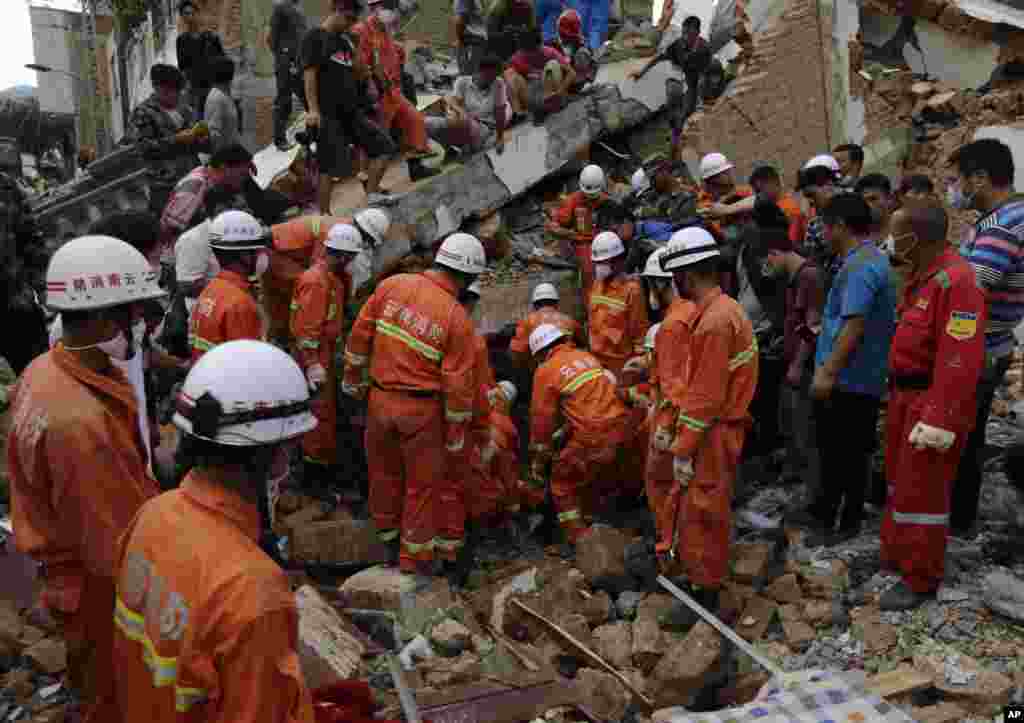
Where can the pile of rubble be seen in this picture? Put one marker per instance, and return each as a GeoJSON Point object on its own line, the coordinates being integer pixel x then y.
{"type": "Point", "coordinates": [32, 662]}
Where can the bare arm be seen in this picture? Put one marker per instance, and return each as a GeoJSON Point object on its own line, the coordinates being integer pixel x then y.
{"type": "Point", "coordinates": [311, 81]}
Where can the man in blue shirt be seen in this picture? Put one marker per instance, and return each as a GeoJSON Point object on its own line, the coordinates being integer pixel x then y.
{"type": "Point", "coordinates": [851, 363]}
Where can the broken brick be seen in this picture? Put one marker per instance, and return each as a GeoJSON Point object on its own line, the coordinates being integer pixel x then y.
{"type": "Point", "coordinates": [789, 613]}
{"type": "Point", "coordinates": [750, 562]}
{"type": "Point", "coordinates": [785, 589]}
{"type": "Point", "coordinates": [48, 655]}
{"type": "Point", "coordinates": [648, 639]}
{"type": "Point", "coordinates": [944, 712]}
{"type": "Point", "coordinates": [337, 542]}
{"type": "Point", "coordinates": [798, 633]}
{"type": "Point", "coordinates": [755, 618]}
{"type": "Point", "coordinates": [597, 608]}
{"type": "Point", "coordinates": [605, 696]}
{"type": "Point", "coordinates": [817, 611]}
{"type": "Point", "coordinates": [379, 588]}
{"type": "Point", "coordinates": [601, 555]}
{"type": "Point", "coordinates": [450, 637]}
{"type": "Point", "coordinates": [988, 691]}
{"type": "Point", "coordinates": [614, 643]}
{"type": "Point", "coordinates": [327, 651]}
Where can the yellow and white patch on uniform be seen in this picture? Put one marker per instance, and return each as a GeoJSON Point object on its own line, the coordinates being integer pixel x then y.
{"type": "Point", "coordinates": [962, 325]}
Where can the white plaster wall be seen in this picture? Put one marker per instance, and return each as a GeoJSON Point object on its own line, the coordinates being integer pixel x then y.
{"type": "Point", "coordinates": [848, 119]}
{"type": "Point", "coordinates": [1013, 136]}
{"type": "Point", "coordinates": [964, 61]}
{"type": "Point", "coordinates": [55, 91]}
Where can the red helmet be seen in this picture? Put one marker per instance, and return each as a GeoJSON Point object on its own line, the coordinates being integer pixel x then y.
{"type": "Point", "coordinates": [570, 25]}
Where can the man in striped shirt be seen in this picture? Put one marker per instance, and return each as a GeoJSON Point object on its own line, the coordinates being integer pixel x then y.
{"type": "Point", "coordinates": [995, 248]}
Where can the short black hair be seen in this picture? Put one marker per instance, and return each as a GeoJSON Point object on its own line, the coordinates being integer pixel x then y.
{"type": "Point", "coordinates": [232, 155]}
{"type": "Point", "coordinates": [874, 182]}
{"type": "Point", "coordinates": [692, 22]}
{"type": "Point", "coordinates": [917, 182]}
{"type": "Point", "coordinates": [815, 176]}
{"type": "Point", "coordinates": [764, 173]}
{"type": "Point", "coordinates": [491, 60]}
{"type": "Point", "coordinates": [850, 209]}
{"type": "Point", "coordinates": [222, 70]}
{"type": "Point", "coordinates": [988, 155]}
{"type": "Point", "coordinates": [705, 267]}
{"type": "Point", "coordinates": [186, 4]}
{"type": "Point", "coordinates": [163, 74]}
{"type": "Point", "coordinates": [856, 152]}
{"type": "Point", "coordinates": [929, 220]}
{"type": "Point", "coordinates": [140, 229]}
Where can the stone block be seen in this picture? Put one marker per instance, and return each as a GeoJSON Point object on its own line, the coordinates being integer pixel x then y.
{"type": "Point", "coordinates": [983, 690]}
{"type": "Point", "coordinates": [798, 633]}
{"type": "Point", "coordinates": [614, 643]}
{"type": "Point", "coordinates": [18, 683]}
{"type": "Point", "coordinates": [601, 556]}
{"type": "Point", "coordinates": [379, 588]}
{"type": "Point", "coordinates": [604, 695]}
{"type": "Point", "coordinates": [825, 583]}
{"type": "Point", "coordinates": [327, 652]}
{"type": "Point", "coordinates": [597, 608]}
{"type": "Point", "coordinates": [686, 666]}
{"type": "Point", "coordinates": [48, 656]}
{"type": "Point", "coordinates": [337, 542]}
{"type": "Point", "coordinates": [648, 640]}
{"type": "Point", "coordinates": [750, 561]}
{"type": "Point", "coordinates": [450, 637]}
{"type": "Point", "coordinates": [944, 712]}
{"type": "Point", "coordinates": [784, 590]}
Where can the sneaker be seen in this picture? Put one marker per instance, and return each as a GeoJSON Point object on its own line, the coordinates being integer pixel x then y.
{"type": "Point", "coordinates": [900, 597]}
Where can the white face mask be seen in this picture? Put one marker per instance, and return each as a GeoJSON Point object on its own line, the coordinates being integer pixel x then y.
{"type": "Point", "coordinates": [116, 348]}
{"type": "Point", "coordinates": [139, 332]}
{"type": "Point", "coordinates": [602, 271]}
{"type": "Point", "coordinates": [262, 265]}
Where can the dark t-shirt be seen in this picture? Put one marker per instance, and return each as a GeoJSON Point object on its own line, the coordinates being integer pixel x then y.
{"type": "Point", "coordinates": [287, 27]}
{"type": "Point", "coordinates": [195, 51]}
{"type": "Point", "coordinates": [333, 55]}
{"type": "Point", "coordinates": [692, 61]}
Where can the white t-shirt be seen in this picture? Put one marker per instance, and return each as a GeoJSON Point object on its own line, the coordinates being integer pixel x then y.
{"type": "Point", "coordinates": [133, 369]}
{"type": "Point", "coordinates": [193, 257]}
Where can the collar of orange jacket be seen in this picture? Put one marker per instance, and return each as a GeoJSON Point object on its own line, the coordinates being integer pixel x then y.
{"type": "Point", "coordinates": [443, 280]}
{"type": "Point", "coordinates": [235, 279]}
{"type": "Point", "coordinates": [709, 297]}
{"type": "Point", "coordinates": [110, 382]}
{"type": "Point", "coordinates": [222, 501]}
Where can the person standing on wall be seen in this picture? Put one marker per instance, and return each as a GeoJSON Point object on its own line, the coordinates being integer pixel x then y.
{"type": "Point", "coordinates": [196, 50]}
{"type": "Point", "coordinates": [284, 38]}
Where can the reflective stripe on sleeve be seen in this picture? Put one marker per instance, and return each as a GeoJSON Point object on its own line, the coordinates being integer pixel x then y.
{"type": "Point", "coordinates": [609, 301]}
{"type": "Point", "coordinates": [582, 379]}
{"type": "Point", "coordinates": [743, 357]}
{"type": "Point", "coordinates": [198, 342]}
{"type": "Point", "coordinates": [919, 518]}
{"type": "Point", "coordinates": [692, 423]}
{"type": "Point", "coordinates": [400, 334]}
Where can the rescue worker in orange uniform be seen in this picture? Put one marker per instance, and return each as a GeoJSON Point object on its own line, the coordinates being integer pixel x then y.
{"type": "Point", "coordinates": [935, 362]}
{"type": "Point", "coordinates": [545, 300]}
{"type": "Point", "coordinates": [298, 244]}
{"type": "Point", "coordinates": [617, 309]}
{"type": "Point", "coordinates": [574, 220]}
{"type": "Point", "coordinates": [318, 316]}
{"type": "Point", "coordinates": [206, 624]}
{"type": "Point", "coordinates": [76, 457]}
{"type": "Point", "coordinates": [413, 343]}
{"type": "Point", "coordinates": [494, 464]}
{"type": "Point", "coordinates": [570, 388]}
{"type": "Point", "coordinates": [721, 200]}
{"type": "Point", "coordinates": [227, 309]}
{"type": "Point", "coordinates": [708, 392]}
{"type": "Point", "coordinates": [384, 58]}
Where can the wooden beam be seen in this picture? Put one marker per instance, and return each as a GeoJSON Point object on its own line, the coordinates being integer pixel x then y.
{"type": "Point", "coordinates": [904, 679]}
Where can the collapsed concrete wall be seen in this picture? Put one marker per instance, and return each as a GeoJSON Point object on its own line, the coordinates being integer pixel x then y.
{"type": "Point", "coordinates": [778, 110]}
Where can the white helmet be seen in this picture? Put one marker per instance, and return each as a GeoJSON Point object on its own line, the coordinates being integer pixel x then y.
{"type": "Point", "coordinates": [688, 246]}
{"type": "Point", "coordinates": [823, 160]}
{"type": "Point", "coordinates": [544, 292]}
{"type": "Point", "coordinates": [462, 252]}
{"type": "Point", "coordinates": [509, 391]}
{"type": "Point", "coordinates": [238, 231]}
{"type": "Point", "coordinates": [374, 222]}
{"type": "Point", "coordinates": [607, 245]}
{"type": "Point", "coordinates": [343, 237]}
{"type": "Point", "coordinates": [544, 336]}
{"type": "Point", "coordinates": [245, 393]}
{"type": "Point", "coordinates": [652, 269]}
{"type": "Point", "coordinates": [652, 334]}
{"type": "Point", "coordinates": [640, 182]}
{"type": "Point", "coordinates": [712, 164]}
{"type": "Point", "coordinates": [97, 272]}
{"type": "Point", "coordinates": [474, 289]}
{"type": "Point", "coordinates": [592, 180]}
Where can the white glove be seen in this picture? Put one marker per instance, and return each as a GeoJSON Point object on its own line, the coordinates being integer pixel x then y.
{"type": "Point", "coordinates": [487, 452]}
{"type": "Point", "coordinates": [662, 439]}
{"type": "Point", "coordinates": [925, 436]}
{"type": "Point", "coordinates": [682, 470]}
{"type": "Point", "coordinates": [316, 375]}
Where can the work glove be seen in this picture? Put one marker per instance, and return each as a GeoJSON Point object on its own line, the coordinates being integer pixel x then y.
{"type": "Point", "coordinates": [925, 436]}
{"type": "Point", "coordinates": [316, 375]}
{"type": "Point", "coordinates": [682, 470]}
{"type": "Point", "coordinates": [662, 439]}
{"type": "Point", "coordinates": [487, 452]}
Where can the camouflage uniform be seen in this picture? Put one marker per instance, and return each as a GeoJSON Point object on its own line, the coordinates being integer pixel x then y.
{"type": "Point", "coordinates": [167, 162]}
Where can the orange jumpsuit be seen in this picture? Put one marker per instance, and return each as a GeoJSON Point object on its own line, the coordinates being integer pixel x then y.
{"type": "Point", "coordinates": [935, 361]}
{"type": "Point", "coordinates": [718, 228]}
{"type": "Point", "coordinates": [379, 52]}
{"type": "Point", "coordinates": [225, 311]}
{"type": "Point", "coordinates": [318, 315]}
{"type": "Point", "coordinates": [77, 468]}
{"type": "Point", "coordinates": [709, 389]}
{"type": "Point", "coordinates": [571, 385]}
{"type": "Point", "coordinates": [206, 623]}
{"type": "Point", "coordinates": [414, 342]}
{"type": "Point", "coordinates": [520, 344]}
{"type": "Point", "coordinates": [577, 213]}
{"type": "Point", "coordinates": [297, 245]}
{"type": "Point", "coordinates": [495, 485]}
{"type": "Point", "coordinates": [618, 321]}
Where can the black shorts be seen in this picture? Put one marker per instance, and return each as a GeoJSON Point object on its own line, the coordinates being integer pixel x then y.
{"type": "Point", "coordinates": [339, 137]}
